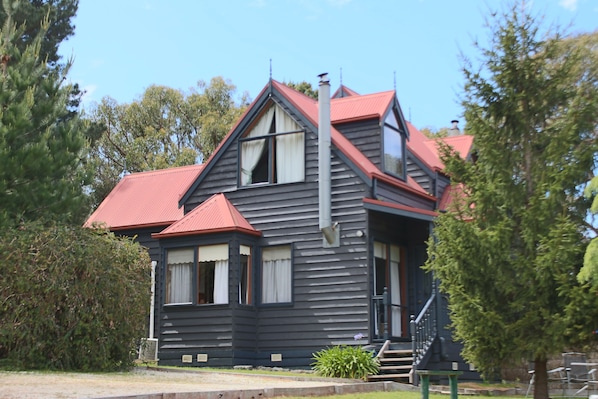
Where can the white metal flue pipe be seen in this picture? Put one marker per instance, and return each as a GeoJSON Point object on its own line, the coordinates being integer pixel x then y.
{"type": "Point", "coordinates": [324, 157]}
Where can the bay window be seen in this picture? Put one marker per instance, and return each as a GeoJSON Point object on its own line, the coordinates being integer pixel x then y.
{"type": "Point", "coordinates": [197, 277]}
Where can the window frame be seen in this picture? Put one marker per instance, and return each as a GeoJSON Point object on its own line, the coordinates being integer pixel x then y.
{"type": "Point", "coordinates": [248, 278]}
{"type": "Point", "coordinates": [291, 276]}
{"type": "Point", "coordinates": [393, 126]}
{"type": "Point", "coordinates": [271, 148]}
{"type": "Point", "coordinates": [195, 276]}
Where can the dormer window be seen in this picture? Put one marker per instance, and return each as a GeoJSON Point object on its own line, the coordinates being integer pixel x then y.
{"type": "Point", "coordinates": [394, 147]}
{"type": "Point", "coordinates": [273, 152]}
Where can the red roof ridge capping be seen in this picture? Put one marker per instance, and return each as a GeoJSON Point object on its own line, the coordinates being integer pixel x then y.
{"type": "Point", "coordinates": [214, 215]}
{"type": "Point", "coordinates": [144, 199]}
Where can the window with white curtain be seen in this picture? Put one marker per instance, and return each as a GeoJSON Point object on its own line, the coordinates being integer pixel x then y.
{"type": "Point", "coordinates": [277, 274]}
{"type": "Point", "coordinates": [273, 151]}
{"type": "Point", "coordinates": [212, 274]}
{"type": "Point", "coordinates": [245, 287]}
{"type": "Point", "coordinates": [208, 283]}
{"type": "Point", "coordinates": [179, 276]}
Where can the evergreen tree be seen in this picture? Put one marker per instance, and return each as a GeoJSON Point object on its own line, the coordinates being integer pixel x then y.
{"type": "Point", "coordinates": [30, 14]}
{"type": "Point", "coordinates": [509, 248]}
{"type": "Point", "coordinates": [40, 139]}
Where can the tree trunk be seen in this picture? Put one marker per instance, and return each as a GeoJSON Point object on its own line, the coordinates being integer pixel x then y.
{"type": "Point", "coordinates": [540, 379]}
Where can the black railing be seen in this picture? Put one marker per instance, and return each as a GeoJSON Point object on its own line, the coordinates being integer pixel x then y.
{"type": "Point", "coordinates": [424, 330]}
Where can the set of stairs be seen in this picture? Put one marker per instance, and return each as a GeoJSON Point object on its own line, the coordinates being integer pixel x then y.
{"type": "Point", "coordinates": [396, 364]}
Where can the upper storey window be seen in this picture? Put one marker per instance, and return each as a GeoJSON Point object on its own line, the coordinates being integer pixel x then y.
{"type": "Point", "coordinates": [394, 147]}
{"type": "Point", "coordinates": [273, 151]}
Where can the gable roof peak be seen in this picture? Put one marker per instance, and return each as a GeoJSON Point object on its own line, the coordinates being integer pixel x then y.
{"type": "Point", "coordinates": [215, 215]}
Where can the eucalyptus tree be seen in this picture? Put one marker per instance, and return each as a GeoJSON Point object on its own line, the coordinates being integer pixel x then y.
{"type": "Point", "coordinates": [509, 248]}
{"type": "Point", "coordinates": [165, 127]}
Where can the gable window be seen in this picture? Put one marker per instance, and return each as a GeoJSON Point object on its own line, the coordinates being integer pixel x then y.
{"type": "Point", "coordinates": [273, 152]}
{"type": "Point", "coordinates": [199, 279]}
{"type": "Point", "coordinates": [276, 274]}
{"type": "Point", "coordinates": [245, 293]}
{"type": "Point", "coordinates": [394, 147]}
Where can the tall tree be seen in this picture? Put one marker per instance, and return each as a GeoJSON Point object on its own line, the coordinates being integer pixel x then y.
{"type": "Point", "coordinates": [164, 128]}
{"type": "Point", "coordinates": [508, 250]}
{"type": "Point", "coordinates": [40, 140]}
{"type": "Point", "coordinates": [31, 13]}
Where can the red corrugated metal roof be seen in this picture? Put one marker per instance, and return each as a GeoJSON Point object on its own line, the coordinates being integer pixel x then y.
{"type": "Point", "coordinates": [214, 215]}
{"type": "Point", "coordinates": [418, 145]}
{"type": "Point", "coordinates": [145, 199]}
{"type": "Point", "coordinates": [360, 107]}
{"type": "Point", "coordinates": [376, 106]}
{"type": "Point", "coordinates": [462, 144]}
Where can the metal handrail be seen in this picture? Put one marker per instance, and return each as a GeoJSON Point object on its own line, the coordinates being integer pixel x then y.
{"type": "Point", "coordinates": [424, 330]}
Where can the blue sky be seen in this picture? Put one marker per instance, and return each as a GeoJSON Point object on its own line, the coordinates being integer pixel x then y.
{"type": "Point", "coordinates": [122, 47]}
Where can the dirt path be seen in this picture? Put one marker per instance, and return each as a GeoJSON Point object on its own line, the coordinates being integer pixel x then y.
{"type": "Point", "coordinates": [33, 385]}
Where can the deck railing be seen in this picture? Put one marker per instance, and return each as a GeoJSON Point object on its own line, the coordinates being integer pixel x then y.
{"type": "Point", "coordinates": [424, 329]}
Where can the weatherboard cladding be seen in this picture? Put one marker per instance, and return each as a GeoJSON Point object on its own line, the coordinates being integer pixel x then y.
{"type": "Point", "coordinates": [330, 286]}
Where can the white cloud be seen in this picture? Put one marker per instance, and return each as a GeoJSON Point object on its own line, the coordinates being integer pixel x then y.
{"type": "Point", "coordinates": [570, 5]}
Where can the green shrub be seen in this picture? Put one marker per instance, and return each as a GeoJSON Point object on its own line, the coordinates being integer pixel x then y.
{"type": "Point", "coordinates": [345, 362]}
{"type": "Point", "coordinates": [71, 298]}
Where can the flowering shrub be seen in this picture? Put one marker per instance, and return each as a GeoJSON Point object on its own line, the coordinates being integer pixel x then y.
{"type": "Point", "coordinates": [345, 362]}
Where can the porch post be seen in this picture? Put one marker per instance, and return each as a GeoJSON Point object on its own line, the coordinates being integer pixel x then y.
{"type": "Point", "coordinates": [385, 303]}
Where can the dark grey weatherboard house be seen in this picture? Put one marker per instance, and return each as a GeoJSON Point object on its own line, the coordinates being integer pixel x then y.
{"type": "Point", "coordinates": [307, 228]}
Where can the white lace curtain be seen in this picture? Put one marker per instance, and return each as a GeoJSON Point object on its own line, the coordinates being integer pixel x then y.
{"type": "Point", "coordinates": [276, 275]}
{"type": "Point", "coordinates": [219, 255]}
{"type": "Point", "coordinates": [179, 288]}
{"type": "Point", "coordinates": [290, 151]}
{"type": "Point", "coordinates": [252, 150]}
{"type": "Point", "coordinates": [221, 281]}
{"type": "Point", "coordinates": [290, 148]}
{"type": "Point", "coordinates": [179, 276]}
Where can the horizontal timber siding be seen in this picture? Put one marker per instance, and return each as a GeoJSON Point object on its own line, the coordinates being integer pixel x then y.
{"type": "Point", "coordinates": [330, 285]}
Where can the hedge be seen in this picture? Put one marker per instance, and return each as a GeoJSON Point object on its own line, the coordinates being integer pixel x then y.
{"type": "Point", "coordinates": [71, 298]}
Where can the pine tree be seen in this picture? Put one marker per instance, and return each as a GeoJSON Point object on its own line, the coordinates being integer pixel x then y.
{"type": "Point", "coordinates": [40, 140]}
{"type": "Point", "coordinates": [508, 250]}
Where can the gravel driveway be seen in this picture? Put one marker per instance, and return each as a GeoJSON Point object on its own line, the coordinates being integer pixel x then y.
{"type": "Point", "coordinates": [42, 385]}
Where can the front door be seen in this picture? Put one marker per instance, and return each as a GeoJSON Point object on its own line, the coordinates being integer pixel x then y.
{"type": "Point", "coordinates": [389, 276]}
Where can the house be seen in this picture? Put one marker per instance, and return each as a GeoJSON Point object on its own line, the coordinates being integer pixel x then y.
{"type": "Point", "coordinates": [306, 228]}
